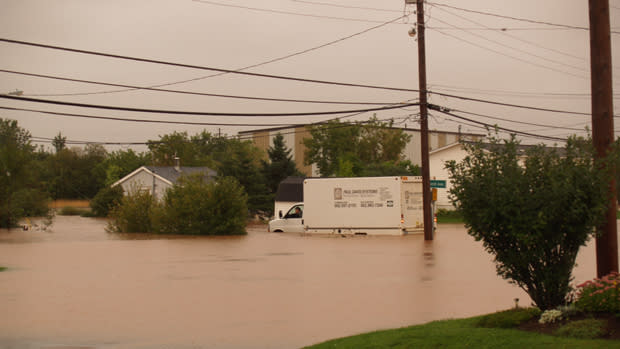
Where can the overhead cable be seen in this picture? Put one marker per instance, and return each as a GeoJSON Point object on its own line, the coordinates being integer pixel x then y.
{"type": "Point", "coordinates": [240, 69]}
{"type": "Point", "coordinates": [281, 12]}
{"type": "Point", "coordinates": [112, 118]}
{"type": "Point", "coordinates": [153, 61]}
{"type": "Point", "coordinates": [286, 77]}
{"type": "Point", "coordinates": [507, 55]}
{"type": "Point", "coordinates": [131, 87]}
{"type": "Point", "coordinates": [178, 112]}
{"type": "Point", "coordinates": [567, 26]}
{"type": "Point", "coordinates": [447, 112]}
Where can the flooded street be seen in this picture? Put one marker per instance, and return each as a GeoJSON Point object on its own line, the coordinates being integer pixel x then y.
{"type": "Point", "coordinates": [80, 287]}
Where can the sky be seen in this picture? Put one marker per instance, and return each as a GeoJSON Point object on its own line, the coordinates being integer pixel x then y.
{"type": "Point", "coordinates": [532, 53]}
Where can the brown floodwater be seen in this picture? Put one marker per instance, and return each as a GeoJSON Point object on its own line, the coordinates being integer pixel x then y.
{"type": "Point", "coordinates": [78, 286]}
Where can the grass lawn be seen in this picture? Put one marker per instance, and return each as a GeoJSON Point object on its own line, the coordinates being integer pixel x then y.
{"type": "Point", "coordinates": [462, 333]}
{"type": "Point", "coordinates": [2, 268]}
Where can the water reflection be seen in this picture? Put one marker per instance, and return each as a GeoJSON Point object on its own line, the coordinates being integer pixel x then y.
{"type": "Point", "coordinates": [78, 286]}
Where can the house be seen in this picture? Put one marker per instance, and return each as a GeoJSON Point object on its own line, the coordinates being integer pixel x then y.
{"type": "Point", "coordinates": [456, 152]}
{"type": "Point", "coordinates": [437, 159]}
{"type": "Point", "coordinates": [157, 179]}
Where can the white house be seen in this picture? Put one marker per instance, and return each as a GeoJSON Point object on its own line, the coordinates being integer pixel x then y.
{"type": "Point", "coordinates": [437, 160]}
{"type": "Point", "coordinates": [156, 179]}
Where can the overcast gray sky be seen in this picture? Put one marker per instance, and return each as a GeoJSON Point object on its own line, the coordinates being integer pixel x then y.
{"type": "Point", "coordinates": [532, 64]}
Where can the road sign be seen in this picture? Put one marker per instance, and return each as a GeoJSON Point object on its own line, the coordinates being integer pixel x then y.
{"type": "Point", "coordinates": [437, 183]}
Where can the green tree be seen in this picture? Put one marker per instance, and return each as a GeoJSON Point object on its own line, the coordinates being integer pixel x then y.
{"type": "Point", "coordinates": [120, 163]}
{"type": "Point", "coordinates": [176, 144]}
{"type": "Point", "coordinates": [106, 199]}
{"type": "Point", "coordinates": [280, 164]}
{"type": "Point", "coordinates": [194, 206]}
{"type": "Point", "coordinates": [534, 215]}
{"type": "Point", "coordinates": [241, 160]}
{"type": "Point", "coordinates": [348, 149]}
{"type": "Point", "coordinates": [20, 194]}
{"type": "Point", "coordinates": [230, 157]}
{"type": "Point", "coordinates": [76, 173]}
{"type": "Point", "coordinates": [59, 142]}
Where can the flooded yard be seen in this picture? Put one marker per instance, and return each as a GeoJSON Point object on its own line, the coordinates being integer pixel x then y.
{"type": "Point", "coordinates": [77, 286]}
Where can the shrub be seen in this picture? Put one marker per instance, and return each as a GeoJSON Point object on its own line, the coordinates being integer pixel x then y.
{"type": "Point", "coordinates": [508, 318]}
{"type": "Point", "coordinates": [550, 316]}
{"type": "Point", "coordinates": [532, 215]}
{"type": "Point", "coordinates": [600, 295]}
{"type": "Point", "coordinates": [33, 202]}
{"type": "Point", "coordinates": [584, 329]}
{"type": "Point", "coordinates": [106, 199]}
{"type": "Point", "coordinates": [197, 207]}
{"type": "Point", "coordinates": [134, 213]}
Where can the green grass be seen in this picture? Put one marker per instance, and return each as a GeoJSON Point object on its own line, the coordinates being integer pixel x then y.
{"type": "Point", "coordinates": [449, 216]}
{"type": "Point", "coordinates": [2, 269]}
{"type": "Point", "coordinates": [587, 329]}
{"type": "Point", "coordinates": [463, 333]}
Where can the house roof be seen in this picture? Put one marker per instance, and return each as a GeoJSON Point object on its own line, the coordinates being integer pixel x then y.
{"type": "Point", "coordinates": [169, 173]}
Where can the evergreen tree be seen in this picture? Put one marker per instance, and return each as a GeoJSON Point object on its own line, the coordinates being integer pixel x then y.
{"type": "Point", "coordinates": [280, 164]}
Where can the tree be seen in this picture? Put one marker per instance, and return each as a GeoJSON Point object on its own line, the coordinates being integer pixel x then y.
{"type": "Point", "coordinates": [59, 142]}
{"type": "Point", "coordinates": [280, 164]}
{"type": "Point", "coordinates": [194, 206]}
{"type": "Point", "coordinates": [76, 173]}
{"type": "Point", "coordinates": [20, 194]}
{"type": "Point", "coordinates": [120, 163]}
{"type": "Point", "coordinates": [533, 215]}
{"type": "Point", "coordinates": [176, 144]}
{"type": "Point", "coordinates": [346, 149]}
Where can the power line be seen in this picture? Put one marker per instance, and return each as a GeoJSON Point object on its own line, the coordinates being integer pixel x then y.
{"type": "Point", "coordinates": [111, 118]}
{"type": "Point", "coordinates": [284, 77]}
{"type": "Point", "coordinates": [344, 6]}
{"type": "Point", "coordinates": [153, 61]}
{"type": "Point", "coordinates": [514, 37]}
{"type": "Point", "coordinates": [512, 18]}
{"type": "Point", "coordinates": [131, 87]}
{"type": "Point", "coordinates": [177, 112]}
{"type": "Point", "coordinates": [240, 69]}
{"type": "Point", "coordinates": [445, 111]}
{"type": "Point", "coordinates": [286, 12]}
{"type": "Point", "coordinates": [507, 55]}
{"type": "Point", "coordinates": [514, 121]}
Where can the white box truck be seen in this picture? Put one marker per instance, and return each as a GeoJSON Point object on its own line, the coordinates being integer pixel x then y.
{"type": "Point", "coordinates": [356, 205]}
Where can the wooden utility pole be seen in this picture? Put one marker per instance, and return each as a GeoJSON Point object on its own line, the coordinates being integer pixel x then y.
{"type": "Point", "coordinates": [426, 181]}
{"type": "Point", "coordinates": [603, 126]}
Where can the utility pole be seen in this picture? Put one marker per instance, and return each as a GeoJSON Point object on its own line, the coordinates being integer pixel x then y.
{"type": "Point", "coordinates": [603, 126]}
{"type": "Point", "coordinates": [426, 181]}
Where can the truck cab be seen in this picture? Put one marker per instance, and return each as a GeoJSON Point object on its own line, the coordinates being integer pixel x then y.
{"type": "Point", "coordinates": [291, 222]}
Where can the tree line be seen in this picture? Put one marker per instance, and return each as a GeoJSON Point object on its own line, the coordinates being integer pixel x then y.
{"type": "Point", "coordinates": [31, 176]}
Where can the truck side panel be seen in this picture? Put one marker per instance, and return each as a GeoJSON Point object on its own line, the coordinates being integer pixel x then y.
{"type": "Point", "coordinates": [372, 203]}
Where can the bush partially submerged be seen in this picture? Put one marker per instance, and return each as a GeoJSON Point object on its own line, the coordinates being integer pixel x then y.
{"type": "Point", "coordinates": [205, 208]}
{"type": "Point", "coordinates": [192, 206]}
{"type": "Point", "coordinates": [106, 199]}
{"type": "Point", "coordinates": [134, 213]}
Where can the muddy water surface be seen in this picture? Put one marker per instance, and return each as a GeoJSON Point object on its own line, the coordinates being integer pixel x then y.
{"type": "Point", "coordinates": [80, 287]}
